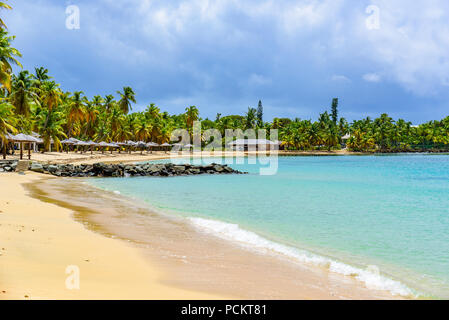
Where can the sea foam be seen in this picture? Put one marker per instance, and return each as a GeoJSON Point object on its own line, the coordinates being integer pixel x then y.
{"type": "Point", "coordinates": [252, 241]}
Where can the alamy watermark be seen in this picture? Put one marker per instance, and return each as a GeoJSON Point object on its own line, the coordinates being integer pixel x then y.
{"type": "Point", "coordinates": [373, 20]}
{"type": "Point", "coordinates": [254, 146]}
{"type": "Point", "coordinates": [72, 21]}
{"type": "Point", "coordinates": [72, 282]}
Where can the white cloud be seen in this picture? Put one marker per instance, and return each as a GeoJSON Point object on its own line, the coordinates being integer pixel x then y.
{"type": "Point", "coordinates": [372, 77]}
{"type": "Point", "coordinates": [412, 44]}
{"type": "Point", "coordinates": [340, 78]}
{"type": "Point", "coordinates": [258, 80]}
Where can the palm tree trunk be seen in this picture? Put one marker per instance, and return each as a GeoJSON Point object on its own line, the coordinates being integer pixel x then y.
{"type": "Point", "coordinates": [4, 150]}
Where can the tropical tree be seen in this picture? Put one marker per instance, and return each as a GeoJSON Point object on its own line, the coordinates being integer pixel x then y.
{"type": "Point", "coordinates": [6, 124]}
{"type": "Point", "coordinates": [250, 118]}
{"type": "Point", "coordinates": [22, 94]}
{"type": "Point", "coordinates": [76, 110]}
{"type": "Point", "coordinates": [50, 126]}
{"type": "Point", "coordinates": [191, 115]}
{"type": "Point", "coordinates": [126, 97]}
{"type": "Point", "coordinates": [3, 6]}
{"type": "Point", "coordinates": [8, 57]}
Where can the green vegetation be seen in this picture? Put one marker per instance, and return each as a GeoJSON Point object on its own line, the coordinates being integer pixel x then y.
{"type": "Point", "coordinates": [34, 102]}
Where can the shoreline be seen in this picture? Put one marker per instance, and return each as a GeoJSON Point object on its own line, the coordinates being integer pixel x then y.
{"type": "Point", "coordinates": [179, 250]}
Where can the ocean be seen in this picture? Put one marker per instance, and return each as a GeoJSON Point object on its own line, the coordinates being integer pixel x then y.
{"type": "Point", "coordinates": [381, 219]}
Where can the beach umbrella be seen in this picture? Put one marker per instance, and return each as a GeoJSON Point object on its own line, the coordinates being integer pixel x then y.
{"type": "Point", "coordinates": [131, 143]}
{"type": "Point", "coordinates": [120, 144]}
{"type": "Point", "coordinates": [22, 138]}
{"type": "Point", "coordinates": [92, 144]}
{"type": "Point", "coordinates": [73, 140]}
{"type": "Point", "coordinates": [167, 145]}
{"type": "Point", "coordinates": [151, 145]}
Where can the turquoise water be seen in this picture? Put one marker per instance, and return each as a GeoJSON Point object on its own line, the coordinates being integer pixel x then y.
{"type": "Point", "coordinates": [355, 215]}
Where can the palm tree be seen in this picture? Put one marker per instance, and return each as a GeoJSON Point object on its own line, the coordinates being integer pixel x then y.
{"type": "Point", "coordinates": [50, 95]}
{"type": "Point", "coordinates": [41, 74]}
{"type": "Point", "coordinates": [108, 102]}
{"type": "Point", "coordinates": [3, 6]}
{"type": "Point", "coordinates": [126, 97]}
{"type": "Point", "coordinates": [75, 110]}
{"type": "Point", "coordinates": [50, 127]}
{"type": "Point", "coordinates": [6, 124]}
{"type": "Point", "coordinates": [143, 129]}
{"type": "Point", "coordinates": [250, 118]}
{"type": "Point", "coordinates": [22, 94]}
{"type": "Point", "coordinates": [7, 59]}
{"type": "Point", "coordinates": [91, 115]}
{"type": "Point", "coordinates": [191, 115]}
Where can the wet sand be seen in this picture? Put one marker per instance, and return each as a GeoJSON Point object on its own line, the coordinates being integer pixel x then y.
{"type": "Point", "coordinates": [191, 260]}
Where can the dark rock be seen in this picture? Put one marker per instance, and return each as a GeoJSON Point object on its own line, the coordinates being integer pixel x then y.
{"type": "Point", "coordinates": [36, 167]}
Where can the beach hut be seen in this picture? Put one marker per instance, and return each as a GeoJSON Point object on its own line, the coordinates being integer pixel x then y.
{"type": "Point", "coordinates": [344, 140]}
{"type": "Point", "coordinates": [252, 144]}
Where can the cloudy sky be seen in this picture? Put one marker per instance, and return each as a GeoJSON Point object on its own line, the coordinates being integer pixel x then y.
{"type": "Point", "coordinates": [225, 55]}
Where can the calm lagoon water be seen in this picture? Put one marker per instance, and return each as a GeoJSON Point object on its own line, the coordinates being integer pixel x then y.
{"type": "Point", "coordinates": [382, 219]}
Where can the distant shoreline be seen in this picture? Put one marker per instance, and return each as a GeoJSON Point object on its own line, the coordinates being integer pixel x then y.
{"type": "Point", "coordinates": [88, 158]}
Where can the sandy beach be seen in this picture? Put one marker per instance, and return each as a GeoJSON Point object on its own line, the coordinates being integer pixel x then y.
{"type": "Point", "coordinates": [40, 240]}
{"type": "Point", "coordinates": [48, 224]}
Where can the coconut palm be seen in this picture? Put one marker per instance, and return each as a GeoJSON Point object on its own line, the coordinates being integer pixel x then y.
{"type": "Point", "coordinates": [3, 6]}
{"type": "Point", "coordinates": [108, 102]}
{"type": "Point", "coordinates": [76, 110]}
{"type": "Point", "coordinates": [22, 94]}
{"type": "Point", "coordinates": [6, 124]}
{"type": "Point", "coordinates": [50, 126]}
{"type": "Point", "coordinates": [126, 97]}
{"type": "Point", "coordinates": [8, 57]}
{"type": "Point", "coordinates": [191, 115]}
{"type": "Point", "coordinates": [250, 118]}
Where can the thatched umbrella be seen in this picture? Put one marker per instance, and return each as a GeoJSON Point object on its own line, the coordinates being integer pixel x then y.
{"type": "Point", "coordinates": [189, 146]}
{"type": "Point", "coordinates": [23, 138]}
{"type": "Point", "coordinates": [103, 145]}
{"type": "Point", "coordinates": [130, 144]}
{"type": "Point", "coordinates": [120, 145]}
{"type": "Point", "coordinates": [68, 143]}
{"type": "Point", "coordinates": [166, 145]}
{"type": "Point", "coordinates": [152, 145]}
{"type": "Point", "coordinates": [92, 144]}
{"type": "Point", "coordinates": [113, 145]}
{"type": "Point", "coordinates": [82, 144]}
{"type": "Point", "coordinates": [142, 145]}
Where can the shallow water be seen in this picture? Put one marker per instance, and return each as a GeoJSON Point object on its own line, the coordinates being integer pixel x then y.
{"type": "Point", "coordinates": [356, 215]}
